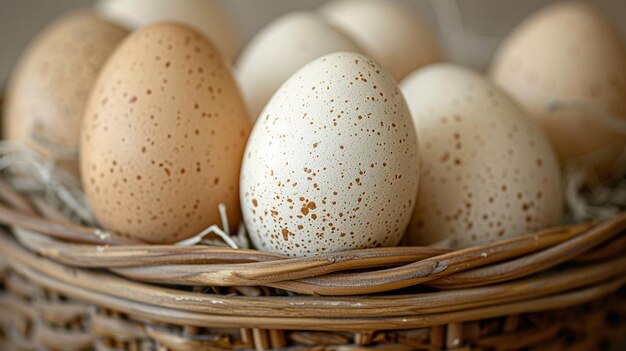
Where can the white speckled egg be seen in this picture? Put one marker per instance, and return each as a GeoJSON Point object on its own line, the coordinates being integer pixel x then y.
{"type": "Point", "coordinates": [163, 137]}
{"type": "Point", "coordinates": [331, 163]}
{"type": "Point", "coordinates": [487, 170]}
{"type": "Point", "coordinates": [207, 16]}
{"type": "Point", "coordinates": [280, 49]}
{"type": "Point", "coordinates": [50, 85]}
{"type": "Point", "coordinates": [569, 53]}
{"type": "Point", "coordinates": [388, 31]}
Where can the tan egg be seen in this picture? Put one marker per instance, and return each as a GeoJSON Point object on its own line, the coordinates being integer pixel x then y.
{"type": "Point", "coordinates": [569, 54]}
{"type": "Point", "coordinates": [388, 31]}
{"type": "Point", "coordinates": [331, 164]}
{"type": "Point", "coordinates": [207, 16]}
{"type": "Point", "coordinates": [280, 49]}
{"type": "Point", "coordinates": [487, 170]}
{"type": "Point", "coordinates": [49, 88]}
{"type": "Point", "coordinates": [163, 137]}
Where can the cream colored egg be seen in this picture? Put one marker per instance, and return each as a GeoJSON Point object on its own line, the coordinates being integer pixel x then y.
{"type": "Point", "coordinates": [388, 31]}
{"type": "Point", "coordinates": [487, 170]}
{"type": "Point", "coordinates": [331, 163]}
{"type": "Point", "coordinates": [570, 54]}
{"type": "Point", "coordinates": [207, 16]}
{"type": "Point", "coordinates": [163, 137]}
{"type": "Point", "coordinates": [280, 49]}
{"type": "Point", "coordinates": [50, 85]}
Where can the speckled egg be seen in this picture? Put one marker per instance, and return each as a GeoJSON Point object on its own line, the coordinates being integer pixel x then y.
{"type": "Point", "coordinates": [487, 170]}
{"type": "Point", "coordinates": [331, 163]}
{"type": "Point", "coordinates": [207, 16]}
{"type": "Point", "coordinates": [50, 85]}
{"type": "Point", "coordinates": [280, 49]}
{"type": "Point", "coordinates": [570, 56]}
{"type": "Point", "coordinates": [388, 31]}
{"type": "Point", "coordinates": [163, 137]}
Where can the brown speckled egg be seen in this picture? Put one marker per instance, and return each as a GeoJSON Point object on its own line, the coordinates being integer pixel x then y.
{"type": "Point", "coordinates": [487, 170]}
{"type": "Point", "coordinates": [163, 137]}
{"type": "Point", "coordinates": [570, 54]}
{"type": "Point", "coordinates": [331, 163]}
{"type": "Point", "coordinates": [50, 86]}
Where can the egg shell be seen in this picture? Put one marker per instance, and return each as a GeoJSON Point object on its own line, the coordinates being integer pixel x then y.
{"type": "Point", "coordinates": [280, 49]}
{"type": "Point", "coordinates": [207, 16]}
{"type": "Point", "coordinates": [163, 137]}
{"type": "Point", "coordinates": [331, 163]}
{"type": "Point", "coordinates": [388, 31]}
{"type": "Point", "coordinates": [487, 170]}
{"type": "Point", "coordinates": [569, 53]}
{"type": "Point", "coordinates": [50, 85]}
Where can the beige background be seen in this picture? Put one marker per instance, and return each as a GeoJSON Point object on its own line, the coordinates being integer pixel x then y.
{"type": "Point", "coordinates": [469, 29]}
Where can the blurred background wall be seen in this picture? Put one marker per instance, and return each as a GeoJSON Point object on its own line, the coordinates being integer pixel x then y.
{"type": "Point", "coordinates": [469, 29]}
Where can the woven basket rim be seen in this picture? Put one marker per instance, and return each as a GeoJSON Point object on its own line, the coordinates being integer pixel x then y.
{"type": "Point", "coordinates": [378, 270]}
{"type": "Point", "coordinates": [285, 312]}
{"type": "Point", "coordinates": [554, 268]}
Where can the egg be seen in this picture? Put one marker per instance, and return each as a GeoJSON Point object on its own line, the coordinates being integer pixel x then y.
{"type": "Point", "coordinates": [280, 49]}
{"type": "Point", "coordinates": [50, 85]}
{"type": "Point", "coordinates": [388, 31]}
{"type": "Point", "coordinates": [566, 65]}
{"type": "Point", "coordinates": [331, 163]}
{"type": "Point", "coordinates": [207, 16]}
{"type": "Point", "coordinates": [487, 169]}
{"type": "Point", "coordinates": [163, 137]}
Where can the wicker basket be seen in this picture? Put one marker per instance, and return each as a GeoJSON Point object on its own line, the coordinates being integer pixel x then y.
{"type": "Point", "coordinates": [68, 287]}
